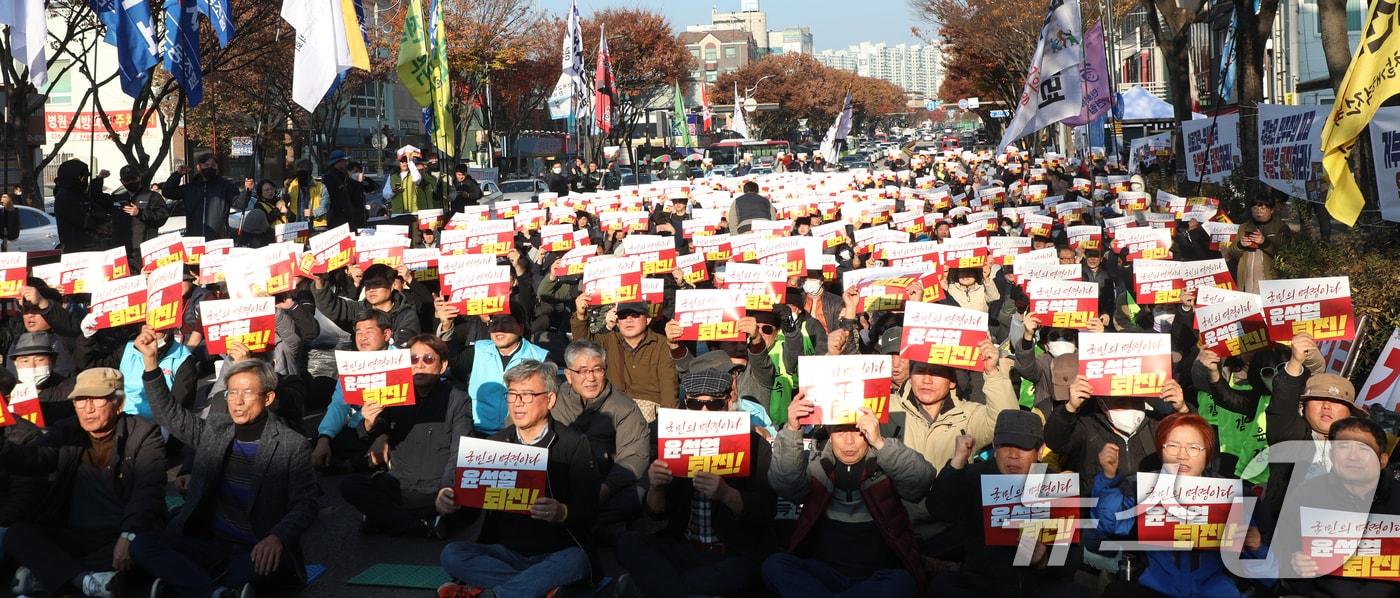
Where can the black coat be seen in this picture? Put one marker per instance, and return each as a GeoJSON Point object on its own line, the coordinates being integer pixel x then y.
{"type": "Point", "coordinates": [750, 533]}
{"type": "Point", "coordinates": [20, 495]}
{"type": "Point", "coordinates": [131, 231]}
{"type": "Point", "coordinates": [422, 436]}
{"type": "Point", "coordinates": [9, 227]}
{"type": "Point", "coordinates": [285, 494]}
{"type": "Point", "coordinates": [72, 206]}
{"type": "Point", "coordinates": [466, 193]}
{"type": "Point", "coordinates": [573, 480]}
{"type": "Point", "coordinates": [138, 469]}
{"type": "Point", "coordinates": [343, 311]}
{"type": "Point", "coordinates": [558, 183]}
{"type": "Point", "coordinates": [1078, 437]}
{"type": "Point", "coordinates": [207, 203]}
{"type": "Point", "coordinates": [347, 200]}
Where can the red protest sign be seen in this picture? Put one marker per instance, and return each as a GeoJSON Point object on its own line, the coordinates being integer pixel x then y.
{"type": "Point", "coordinates": [429, 219]}
{"type": "Point", "coordinates": [1157, 281]}
{"type": "Point", "coordinates": [1125, 364]}
{"type": "Point", "coordinates": [14, 269]}
{"type": "Point", "coordinates": [292, 232]}
{"type": "Point", "coordinates": [1352, 544]}
{"type": "Point", "coordinates": [1003, 250]}
{"type": "Point", "coordinates": [422, 262]}
{"type": "Point", "coordinates": [1048, 509]}
{"type": "Point", "coordinates": [709, 314]}
{"type": "Point", "coordinates": [491, 237]}
{"type": "Point", "coordinates": [763, 286]}
{"type": "Point", "coordinates": [1232, 328]}
{"type": "Point", "coordinates": [693, 268]}
{"type": "Point", "coordinates": [1206, 273]}
{"type": "Point", "coordinates": [657, 253]}
{"type": "Point", "coordinates": [1085, 237]}
{"type": "Point", "coordinates": [1063, 303]}
{"type": "Point", "coordinates": [6, 418]}
{"type": "Point", "coordinates": [1027, 271]}
{"type": "Point", "coordinates": [160, 251]}
{"type": "Point", "coordinates": [330, 250]}
{"type": "Point", "coordinates": [379, 249]}
{"type": "Point", "coordinates": [1220, 232]}
{"type": "Point", "coordinates": [608, 280]}
{"type": "Point", "coordinates": [165, 303]}
{"type": "Point", "coordinates": [1036, 225]}
{"type": "Point", "coordinates": [500, 476]}
{"type": "Point", "coordinates": [573, 260]}
{"type": "Point", "coordinates": [481, 291]}
{"type": "Point", "coordinates": [1143, 243]}
{"type": "Point", "coordinates": [252, 322]}
{"type": "Point", "coordinates": [1132, 201]}
{"type": "Point", "coordinates": [1318, 307]}
{"type": "Point", "coordinates": [841, 385]}
{"type": "Point", "coordinates": [970, 252]}
{"type": "Point", "coordinates": [887, 288]}
{"type": "Point", "coordinates": [903, 255]}
{"type": "Point", "coordinates": [72, 272]}
{"type": "Point", "coordinates": [943, 335]}
{"type": "Point", "coordinates": [1187, 512]}
{"type": "Point", "coordinates": [383, 377]}
{"type": "Point", "coordinates": [115, 264]}
{"type": "Point", "coordinates": [119, 302]}
{"type": "Point", "coordinates": [25, 405]}
{"type": "Point", "coordinates": [692, 442]}
{"type": "Point", "coordinates": [715, 248]}
{"type": "Point", "coordinates": [796, 255]}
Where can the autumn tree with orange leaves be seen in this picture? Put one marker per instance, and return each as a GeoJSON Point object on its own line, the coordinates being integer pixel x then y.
{"type": "Point", "coordinates": [805, 88]}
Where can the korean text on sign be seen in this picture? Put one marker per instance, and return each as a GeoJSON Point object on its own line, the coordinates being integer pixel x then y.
{"type": "Point", "coordinates": [1187, 511]}
{"type": "Point", "coordinates": [383, 377]}
{"type": "Point", "coordinates": [1047, 509]}
{"type": "Point", "coordinates": [841, 385]}
{"type": "Point", "coordinates": [1125, 364]}
{"type": "Point", "coordinates": [249, 321]}
{"type": "Point", "coordinates": [500, 476]}
{"type": "Point", "coordinates": [692, 442]}
{"type": "Point", "coordinates": [1319, 307]}
{"type": "Point", "coordinates": [943, 335]}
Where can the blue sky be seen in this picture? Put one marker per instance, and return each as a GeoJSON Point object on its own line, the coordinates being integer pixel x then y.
{"type": "Point", "coordinates": [835, 23]}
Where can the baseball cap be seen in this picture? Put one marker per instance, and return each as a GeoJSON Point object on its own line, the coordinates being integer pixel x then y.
{"type": "Point", "coordinates": [96, 382]}
{"type": "Point", "coordinates": [128, 172]}
{"type": "Point", "coordinates": [1331, 387]}
{"type": "Point", "coordinates": [713, 360]}
{"type": "Point", "coordinates": [634, 307]}
{"type": "Point", "coordinates": [889, 340]}
{"type": "Point", "coordinates": [1063, 370]}
{"type": "Point", "coordinates": [1021, 429]}
{"type": "Point", "coordinates": [710, 383]}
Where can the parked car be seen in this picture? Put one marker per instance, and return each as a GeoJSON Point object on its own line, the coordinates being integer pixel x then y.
{"type": "Point", "coordinates": [519, 190]}
{"type": "Point", "coordinates": [37, 231]}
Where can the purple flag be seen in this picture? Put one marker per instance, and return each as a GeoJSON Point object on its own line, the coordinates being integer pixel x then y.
{"type": "Point", "coordinates": [1093, 75]}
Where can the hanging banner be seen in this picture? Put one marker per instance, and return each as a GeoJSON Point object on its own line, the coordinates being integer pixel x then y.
{"type": "Point", "coordinates": [1385, 152]}
{"type": "Point", "coordinates": [1318, 307]}
{"type": "Point", "coordinates": [692, 442]}
{"type": "Point", "coordinates": [1125, 364]}
{"type": "Point", "coordinates": [500, 476]}
{"type": "Point", "coordinates": [710, 315]}
{"type": "Point", "coordinates": [1212, 147]}
{"type": "Point", "coordinates": [943, 335]}
{"type": "Point", "coordinates": [841, 385]}
{"type": "Point", "coordinates": [383, 377]}
{"type": "Point", "coordinates": [1382, 387]}
{"type": "Point", "coordinates": [1290, 147]}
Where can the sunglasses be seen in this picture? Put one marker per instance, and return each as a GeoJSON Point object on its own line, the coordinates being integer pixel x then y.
{"type": "Point", "coordinates": [630, 314]}
{"type": "Point", "coordinates": [766, 328]}
{"type": "Point", "coordinates": [426, 358]}
{"type": "Point", "coordinates": [705, 404]}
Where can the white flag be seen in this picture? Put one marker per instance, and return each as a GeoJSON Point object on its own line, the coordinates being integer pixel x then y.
{"type": "Point", "coordinates": [29, 34]}
{"type": "Point", "coordinates": [1053, 91]}
{"type": "Point", "coordinates": [739, 126]}
{"type": "Point", "coordinates": [323, 52]}
{"type": "Point", "coordinates": [572, 58]}
{"type": "Point", "coordinates": [837, 132]}
{"type": "Point", "coordinates": [560, 100]}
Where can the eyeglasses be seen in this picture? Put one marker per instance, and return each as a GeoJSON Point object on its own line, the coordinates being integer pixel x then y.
{"type": "Point", "coordinates": [705, 404]}
{"type": "Point", "coordinates": [426, 358]}
{"type": "Point", "coordinates": [1192, 450]}
{"type": "Point", "coordinates": [588, 372]}
{"type": "Point", "coordinates": [247, 393]}
{"type": "Point", "coordinates": [95, 402]}
{"type": "Point", "coordinates": [524, 398]}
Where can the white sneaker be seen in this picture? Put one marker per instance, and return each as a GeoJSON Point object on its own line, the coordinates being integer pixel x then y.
{"type": "Point", "coordinates": [95, 584]}
{"type": "Point", "coordinates": [25, 582]}
{"type": "Point", "coordinates": [157, 588]}
{"type": "Point", "coordinates": [247, 591]}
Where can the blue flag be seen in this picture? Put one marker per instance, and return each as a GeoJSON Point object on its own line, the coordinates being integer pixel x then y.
{"type": "Point", "coordinates": [220, 18]}
{"type": "Point", "coordinates": [181, 47]}
{"type": "Point", "coordinates": [130, 29]}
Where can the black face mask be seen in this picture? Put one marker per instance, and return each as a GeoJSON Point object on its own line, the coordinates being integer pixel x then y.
{"type": "Point", "coordinates": [209, 173]}
{"type": "Point", "coordinates": [425, 380]}
{"type": "Point", "coordinates": [304, 174]}
{"type": "Point", "coordinates": [134, 187]}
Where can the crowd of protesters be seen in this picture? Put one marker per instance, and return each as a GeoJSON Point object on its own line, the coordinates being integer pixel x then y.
{"type": "Point", "coordinates": [889, 505]}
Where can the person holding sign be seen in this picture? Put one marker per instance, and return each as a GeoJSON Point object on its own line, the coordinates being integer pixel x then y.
{"type": "Point", "coordinates": [717, 528]}
{"type": "Point", "coordinates": [529, 556]}
{"type": "Point", "coordinates": [33, 356]}
{"type": "Point", "coordinates": [1358, 488]}
{"type": "Point", "coordinates": [957, 497]}
{"type": "Point", "coordinates": [415, 443]}
{"type": "Point", "coordinates": [253, 494]}
{"type": "Point", "coordinates": [116, 347]}
{"type": "Point", "coordinates": [338, 435]}
{"type": "Point", "coordinates": [1256, 243]}
{"type": "Point", "coordinates": [856, 548]}
{"type": "Point", "coordinates": [377, 286]}
{"type": "Point", "coordinates": [639, 360]}
{"type": "Point", "coordinates": [1188, 448]}
{"type": "Point", "coordinates": [108, 483]}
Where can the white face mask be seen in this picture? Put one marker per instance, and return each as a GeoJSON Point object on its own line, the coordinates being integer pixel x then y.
{"type": "Point", "coordinates": [1058, 348]}
{"type": "Point", "coordinates": [1162, 322]}
{"type": "Point", "coordinates": [558, 170]}
{"type": "Point", "coordinates": [162, 341]}
{"type": "Point", "coordinates": [812, 286]}
{"type": "Point", "coordinates": [32, 376]}
{"type": "Point", "coordinates": [1126, 420]}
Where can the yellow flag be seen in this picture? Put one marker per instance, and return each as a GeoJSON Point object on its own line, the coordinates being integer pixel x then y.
{"type": "Point", "coordinates": [1370, 80]}
{"type": "Point", "coordinates": [354, 37]}
{"type": "Point", "coordinates": [413, 55]}
{"type": "Point", "coordinates": [443, 126]}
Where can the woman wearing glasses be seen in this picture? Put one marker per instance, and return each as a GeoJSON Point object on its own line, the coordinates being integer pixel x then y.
{"type": "Point", "coordinates": [1187, 447]}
